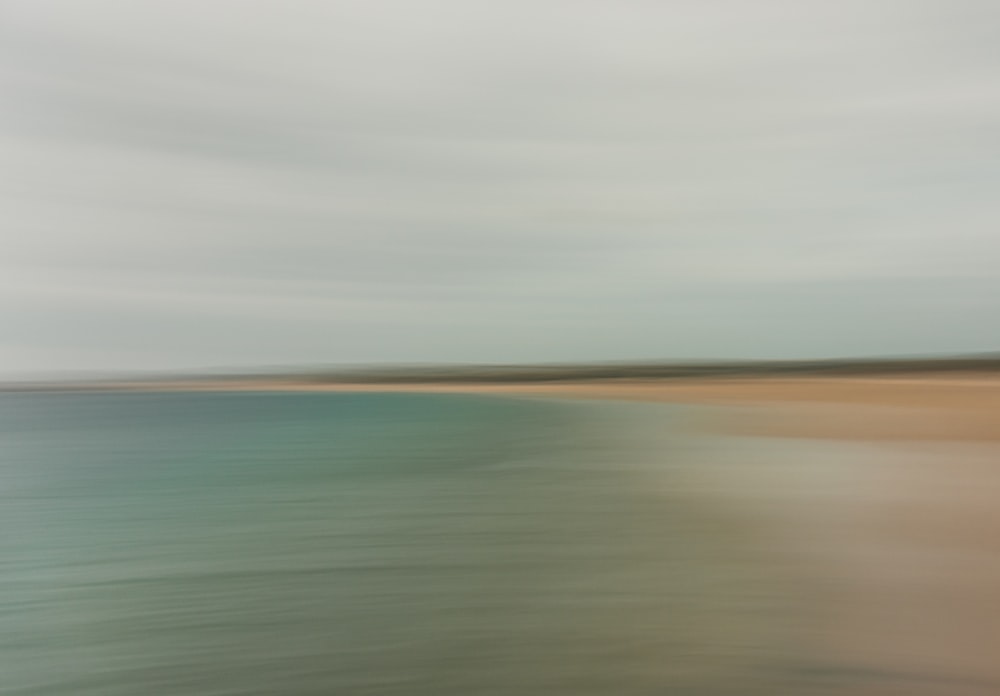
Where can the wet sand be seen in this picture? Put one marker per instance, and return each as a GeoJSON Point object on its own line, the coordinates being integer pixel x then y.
{"type": "Point", "coordinates": [896, 545]}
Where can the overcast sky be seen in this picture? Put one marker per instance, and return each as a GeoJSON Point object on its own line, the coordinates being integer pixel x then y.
{"type": "Point", "coordinates": [203, 183]}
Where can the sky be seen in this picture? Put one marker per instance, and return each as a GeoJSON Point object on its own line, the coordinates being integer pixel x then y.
{"type": "Point", "coordinates": [198, 184]}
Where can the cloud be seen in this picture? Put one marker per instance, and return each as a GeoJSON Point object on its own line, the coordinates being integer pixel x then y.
{"type": "Point", "coordinates": [540, 181]}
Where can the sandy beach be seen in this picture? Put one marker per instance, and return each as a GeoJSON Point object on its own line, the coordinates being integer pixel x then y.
{"type": "Point", "coordinates": [943, 408]}
{"type": "Point", "coordinates": [886, 490]}
{"type": "Point", "coordinates": [896, 521]}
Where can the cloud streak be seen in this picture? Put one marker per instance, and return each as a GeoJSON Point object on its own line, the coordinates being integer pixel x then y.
{"type": "Point", "coordinates": [478, 181]}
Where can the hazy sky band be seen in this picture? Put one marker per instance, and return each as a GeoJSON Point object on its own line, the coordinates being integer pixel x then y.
{"type": "Point", "coordinates": [279, 182]}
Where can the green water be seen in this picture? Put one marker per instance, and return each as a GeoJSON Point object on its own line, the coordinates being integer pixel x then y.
{"type": "Point", "coordinates": [341, 544]}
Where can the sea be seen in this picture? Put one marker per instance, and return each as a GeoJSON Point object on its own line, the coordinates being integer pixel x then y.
{"type": "Point", "coordinates": [341, 544]}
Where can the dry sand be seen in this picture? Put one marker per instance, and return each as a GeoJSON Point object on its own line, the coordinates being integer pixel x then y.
{"type": "Point", "coordinates": [927, 408]}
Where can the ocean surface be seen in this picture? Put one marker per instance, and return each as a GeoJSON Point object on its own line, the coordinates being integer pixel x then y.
{"type": "Point", "coordinates": [182, 544]}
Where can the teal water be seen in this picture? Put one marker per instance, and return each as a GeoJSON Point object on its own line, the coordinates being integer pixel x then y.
{"type": "Point", "coordinates": [341, 544]}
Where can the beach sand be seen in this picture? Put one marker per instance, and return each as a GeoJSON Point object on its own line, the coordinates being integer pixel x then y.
{"type": "Point", "coordinates": [888, 493]}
